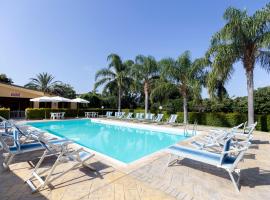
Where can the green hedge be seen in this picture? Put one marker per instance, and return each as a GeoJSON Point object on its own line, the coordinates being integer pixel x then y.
{"type": "Point", "coordinates": [5, 112]}
{"type": "Point", "coordinates": [225, 119]}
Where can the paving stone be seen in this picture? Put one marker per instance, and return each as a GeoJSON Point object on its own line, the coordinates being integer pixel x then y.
{"type": "Point", "coordinates": [184, 180]}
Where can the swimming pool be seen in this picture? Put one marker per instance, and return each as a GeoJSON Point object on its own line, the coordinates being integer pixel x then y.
{"type": "Point", "coordinates": [125, 144]}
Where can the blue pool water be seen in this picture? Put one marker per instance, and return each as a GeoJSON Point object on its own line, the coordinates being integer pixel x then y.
{"type": "Point", "coordinates": [122, 143]}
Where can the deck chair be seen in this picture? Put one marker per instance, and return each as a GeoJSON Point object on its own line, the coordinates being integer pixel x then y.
{"type": "Point", "coordinates": [227, 159]}
{"type": "Point", "coordinates": [212, 142]}
{"type": "Point", "coordinates": [148, 117]}
{"type": "Point", "coordinates": [129, 116]}
{"type": "Point", "coordinates": [171, 120]}
{"type": "Point", "coordinates": [216, 132]}
{"type": "Point", "coordinates": [20, 148]}
{"type": "Point", "coordinates": [116, 114]}
{"type": "Point", "coordinates": [247, 131]}
{"type": "Point", "coordinates": [109, 114]}
{"type": "Point", "coordinates": [22, 132]}
{"type": "Point", "coordinates": [157, 119]}
{"type": "Point", "coordinates": [121, 115]}
{"type": "Point", "coordinates": [138, 117]}
{"type": "Point", "coordinates": [141, 116]}
{"type": "Point", "coordinates": [64, 154]}
{"type": "Point", "coordinates": [218, 138]}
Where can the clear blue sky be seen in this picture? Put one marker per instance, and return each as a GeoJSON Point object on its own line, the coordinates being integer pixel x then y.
{"type": "Point", "coordinates": [71, 39]}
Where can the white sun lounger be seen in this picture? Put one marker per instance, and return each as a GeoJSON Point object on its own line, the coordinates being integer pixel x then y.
{"type": "Point", "coordinates": [64, 154]}
{"type": "Point", "coordinates": [171, 120]}
{"type": "Point", "coordinates": [218, 139]}
{"type": "Point", "coordinates": [19, 148]}
{"type": "Point", "coordinates": [20, 132]}
{"type": "Point", "coordinates": [121, 115]}
{"type": "Point", "coordinates": [158, 118]}
{"type": "Point", "coordinates": [138, 117]}
{"type": "Point", "coordinates": [247, 131]}
{"type": "Point", "coordinates": [128, 117]}
{"type": "Point", "coordinates": [225, 160]}
{"type": "Point", "coordinates": [216, 132]}
{"type": "Point", "coordinates": [109, 114]}
{"type": "Point", "coordinates": [149, 116]}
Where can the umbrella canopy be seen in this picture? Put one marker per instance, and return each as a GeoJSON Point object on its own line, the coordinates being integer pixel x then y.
{"type": "Point", "coordinates": [79, 100]}
{"type": "Point", "coordinates": [60, 99]}
{"type": "Point", "coordinates": [43, 99]}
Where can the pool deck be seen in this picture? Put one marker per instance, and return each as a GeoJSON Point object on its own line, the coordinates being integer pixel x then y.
{"type": "Point", "coordinates": [146, 179]}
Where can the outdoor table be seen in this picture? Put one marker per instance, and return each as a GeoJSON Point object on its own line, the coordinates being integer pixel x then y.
{"type": "Point", "coordinates": [91, 114]}
{"type": "Point", "coordinates": [57, 115]}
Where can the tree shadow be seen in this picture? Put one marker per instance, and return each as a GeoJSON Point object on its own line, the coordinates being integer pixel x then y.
{"type": "Point", "coordinates": [256, 176]}
{"type": "Point", "coordinates": [13, 186]}
{"type": "Point", "coordinates": [260, 142]}
{"type": "Point", "coordinates": [100, 171]}
{"type": "Point", "coordinates": [255, 143]}
{"type": "Point", "coordinates": [263, 123]}
{"type": "Point", "coordinates": [251, 156]}
{"type": "Point", "coordinates": [210, 169]}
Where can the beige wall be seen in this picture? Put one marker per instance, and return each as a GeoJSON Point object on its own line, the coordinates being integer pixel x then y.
{"type": "Point", "coordinates": [36, 105]}
{"type": "Point", "coordinates": [12, 91]}
{"type": "Point", "coordinates": [73, 105]}
{"type": "Point", "coordinates": [17, 92]}
{"type": "Point", "coordinates": [54, 105]}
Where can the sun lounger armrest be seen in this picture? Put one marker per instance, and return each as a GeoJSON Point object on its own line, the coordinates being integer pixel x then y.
{"type": "Point", "coordinates": [235, 150]}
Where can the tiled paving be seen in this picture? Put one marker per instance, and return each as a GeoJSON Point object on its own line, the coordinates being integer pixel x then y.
{"type": "Point", "coordinates": [150, 180]}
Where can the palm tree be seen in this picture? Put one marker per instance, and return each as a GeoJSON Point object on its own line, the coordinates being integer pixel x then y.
{"type": "Point", "coordinates": [115, 76]}
{"type": "Point", "coordinates": [243, 38]}
{"type": "Point", "coordinates": [43, 82]}
{"type": "Point", "coordinates": [145, 70]}
{"type": "Point", "coordinates": [183, 74]}
{"type": "Point", "coordinates": [5, 79]}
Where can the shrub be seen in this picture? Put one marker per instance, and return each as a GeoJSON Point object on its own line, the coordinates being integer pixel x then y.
{"type": "Point", "coordinates": [138, 110]}
{"type": "Point", "coordinates": [126, 110]}
{"type": "Point", "coordinates": [166, 115]}
{"type": "Point", "coordinates": [5, 112]}
{"type": "Point", "coordinates": [224, 119]}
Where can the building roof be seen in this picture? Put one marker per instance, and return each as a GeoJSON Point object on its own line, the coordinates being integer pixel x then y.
{"type": "Point", "coordinates": [16, 88]}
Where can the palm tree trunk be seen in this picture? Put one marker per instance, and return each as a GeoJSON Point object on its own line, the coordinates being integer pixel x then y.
{"type": "Point", "coordinates": [119, 99]}
{"type": "Point", "coordinates": [250, 90]}
{"type": "Point", "coordinates": [146, 97]}
{"type": "Point", "coordinates": [185, 108]}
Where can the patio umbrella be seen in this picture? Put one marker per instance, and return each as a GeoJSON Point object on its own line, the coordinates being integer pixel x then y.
{"type": "Point", "coordinates": [79, 100]}
{"type": "Point", "coordinates": [44, 99]}
{"type": "Point", "coordinates": [61, 99]}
